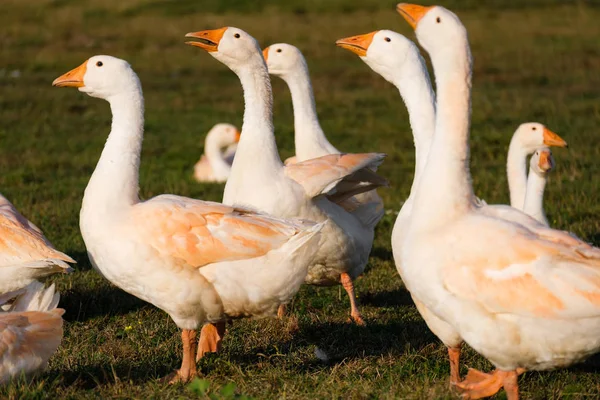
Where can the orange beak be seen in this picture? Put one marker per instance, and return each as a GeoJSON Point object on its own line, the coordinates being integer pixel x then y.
{"type": "Point", "coordinates": [552, 139]}
{"type": "Point", "coordinates": [73, 78]}
{"type": "Point", "coordinates": [238, 135]}
{"type": "Point", "coordinates": [208, 40]}
{"type": "Point", "coordinates": [412, 13]}
{"type": "Point", "coordinates": [546, 162]}
{"type": "Point", "coordinates": [357, 44]}
{"type": "Point", "coordinates": [266, 54]}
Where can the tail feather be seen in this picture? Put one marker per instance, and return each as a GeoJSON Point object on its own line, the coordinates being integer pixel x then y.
{"type": "Point", "coordinates": [36, 298]}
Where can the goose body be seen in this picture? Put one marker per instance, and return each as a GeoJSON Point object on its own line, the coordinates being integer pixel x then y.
{"type": "Point", "coordinates": [524, 299]}
{"type": "Point", "coordinates": [219, 150]}
{"type": "Point", "coordinates": [198, 261]}
{"type": "Point", "coordinates": [540, 165]}
{"type": "Point", "coordinates": [25, 253]}
{"type": "Point", "coordinates": [30, 332]}
{"type": "Point", "coordinates": [318, 189]}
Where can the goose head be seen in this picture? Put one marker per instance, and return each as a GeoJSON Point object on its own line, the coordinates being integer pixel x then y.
{"type": "Point", "coordinates": [388, 53]}
{"type": "Point", "coordinates": [223, 135]}
{"type": "Point", "coordinates": [542, 162]}
{"type": "Point", "coordinates": [438, 29]}
{"type": "Point", "coordinates": [284, 60]}
{"type": "Point", "coordinates": [531, 136]}
{"type": "Point", "coordinates": [101, 76]}
{"type": "Point", "coordinates": [231, 46]}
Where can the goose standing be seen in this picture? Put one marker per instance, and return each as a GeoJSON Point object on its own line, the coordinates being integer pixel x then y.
{"type": "Point", "coordinates": [528, 138]}
{"type": "Point", "coordinates": [398, 61]}
{"type": "Point", "coordinates": [288, 63]}
{"type": "Point", "coordinates": [540, 165]}
{"type": "Point", "coordinates": [523, 299]}
{"type": "Point", "coordinates": [30, 332]}
{"type": "Point", "coordinates": [316, 189]}
{"type": "Point", "coordinates": [25, 253]}
{"type": "Point", "coordinates": [198, 261]}
{"type": "Point", "coordinates": [215, 163]}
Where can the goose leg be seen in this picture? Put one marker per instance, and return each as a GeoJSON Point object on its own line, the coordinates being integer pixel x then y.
{"type": "Point", "coordinates": [349, 286]}
{"type": "Point", "coordinates": [454, 356]}
{"type": "Point", "coordinates": [281, 311]}
{"type": "Point", "coordinates": [188, 364]}
{"type": "Point", "coordinates": [211, 337]}
{"type": "Point", "coordinates": [478, 385]}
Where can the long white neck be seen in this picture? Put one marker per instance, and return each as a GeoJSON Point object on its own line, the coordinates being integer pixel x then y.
{"type": "Point", "coordinates": [445, 191]}
{"type": "Point", "coordinates": [534, 197]}
{"type": "Point", "coordinates": [214, 154]}
{"type": "Point", "coordinates": [516, 171]}
{"type": "Point", "coordinates": [114, 183]}
{"type": "Point", "coordinates": [257, 150]}
{"type": "Point", "coordinates": [310, 139]}
{"type": "Point", "coordinates": [416, 92]}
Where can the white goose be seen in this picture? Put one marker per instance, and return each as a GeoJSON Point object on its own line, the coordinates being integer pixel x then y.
{"type": "Point", "coordinates": [524, 299]}
{"type": "Point", "coordinates": [25, 253]}
{"type": "Point", "coordinates": [317, 189]}
{"type": "Point", "coordinates": [288, 63]}
{"type": "Point", "coordinates": [528, 138]}
{"type": "Point", "coordinates": [30, 332]}
{"type": "Point", "coordinates": [215, 163]}
{"type": "Point", "coordinates": [540, 165]}
{"type": "Point", "coordinates": [198, 261]}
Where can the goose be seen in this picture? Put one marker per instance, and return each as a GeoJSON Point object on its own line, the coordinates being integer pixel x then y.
{"type": "Point", "coordinates": [319, 189]}
{"type": "Point", "coordinates": [30, 332]}
{"type": "Point", "coordinates": [540, 165]}
{"type": "Point", "coordinates": [525, 299]}
{"type": "Point", "coordinates": [288, 63]}
{"type": "Point", "coordinates": [215, 164]}
{"type": "Point", "coordinates": [528, 138]}
{"type": "Point", "coordinates": [25, 253]}
{"type": "Point", "coordinates": [196, 260]}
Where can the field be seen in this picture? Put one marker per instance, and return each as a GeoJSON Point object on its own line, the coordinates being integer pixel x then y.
{"type": "Point", "coordinates": [534, 61]}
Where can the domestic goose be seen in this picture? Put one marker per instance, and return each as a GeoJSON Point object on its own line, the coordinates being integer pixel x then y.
{"type": "Point", "coordinates": [398, 61]}
{"type": "Point", "coordinates": [30, 332]}
{"type": "Point", "coordinates": [288, 63]}
{"type": "Point", "coordinates": [198, 261]}
{"type": "Point", "coordinates": [318, 189]}
{"type": "Point", "coordinates": [540, 165]}
{"type": "Point", "coordinates": [25, 253]}
{"type": "Point", "coordinates": [219, 150]}
{"type": "Point", "coordinates": [528, 138]}
{"type": "Point", "coordinates": [525, 299]}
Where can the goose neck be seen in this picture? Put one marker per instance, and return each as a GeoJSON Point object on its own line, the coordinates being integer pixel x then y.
{"type": "Point", "coordinates": [115, 180]}
{"type": "Point", "coordinates": [516, 171]}
{"type": "Point", "coordinates": [534, 198]}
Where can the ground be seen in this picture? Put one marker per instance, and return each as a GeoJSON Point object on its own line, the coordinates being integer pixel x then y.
{"type": "Point", "coordinates": [534, 61]}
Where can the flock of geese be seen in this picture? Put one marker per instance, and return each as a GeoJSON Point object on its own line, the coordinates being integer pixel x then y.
{"type": "Point", "coordinates": [521, 294]}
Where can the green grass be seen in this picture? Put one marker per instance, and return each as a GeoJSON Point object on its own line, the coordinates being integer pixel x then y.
{"type": "Point", "coordinates": [535, 60]}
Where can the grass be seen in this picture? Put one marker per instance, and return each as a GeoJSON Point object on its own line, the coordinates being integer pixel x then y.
{"type": "Point", "coordinates": [535, 60]}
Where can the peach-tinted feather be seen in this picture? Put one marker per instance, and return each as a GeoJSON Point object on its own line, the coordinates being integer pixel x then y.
{"type": "Point", "coordinates": [200, 233]}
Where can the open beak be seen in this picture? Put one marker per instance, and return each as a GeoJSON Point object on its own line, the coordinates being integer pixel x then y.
{"type": "Point", "coordinates": [238, 135]}
{"type": "Point", "coordinates": [546, 162]}
{"type": "Point", "coordinates": [552, 139]}
{"type": "Point", "coordinates": [412, 13]}
{"type": "Point", "coordinates": [73, 78]}
{"type": "Point", "coordinates": [357, 44]}
{"type": "Point", "coordinates": [207, 40]}
{"type": "Point", "coordinates": [266, 54]}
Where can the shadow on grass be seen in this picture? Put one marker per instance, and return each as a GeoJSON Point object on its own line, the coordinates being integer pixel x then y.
{"type": "Point", "coordinates": [393, 298]}
{"type": "Point", "coordinates": [99, 301]}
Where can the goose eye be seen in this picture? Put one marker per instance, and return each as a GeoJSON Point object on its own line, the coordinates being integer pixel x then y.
{"type": "Point", "coordinates": [237, 36]}
{"type": "Point", "coordinates": [99, 64]}
{"type": "Point", "coordinates": [387, 39]}
{"type": "Point", "coordinates": [534, 128]}
{"type": "Point", "coordinates": [279, 50]}
{"type": "Point", "coordinates": [438, 20]}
